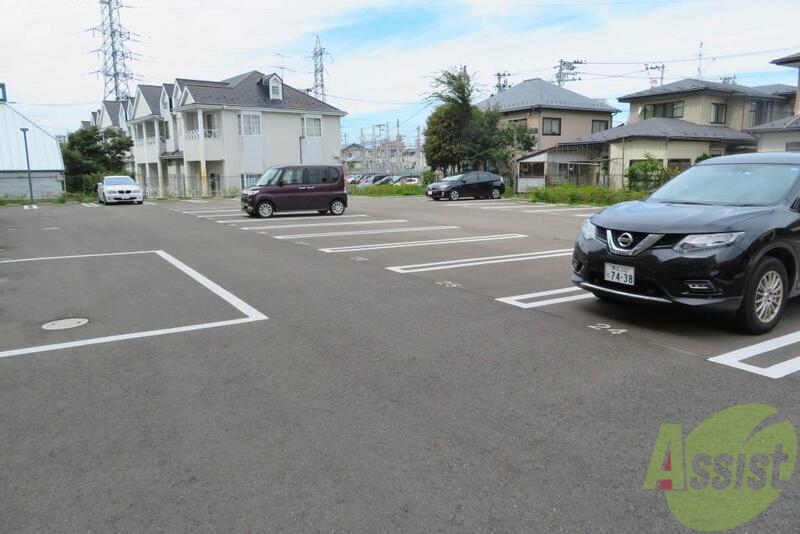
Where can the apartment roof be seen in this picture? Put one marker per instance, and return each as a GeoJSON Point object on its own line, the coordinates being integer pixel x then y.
{"type": "Point", "coordinates": [663, 128]}
{"type": "Point", "coordinates": [690, 85]}
{"type": "Point", "coordinates": [44, 152]}
{"type": "Point", "coordinates": [537, 93]}
{"type": "Point", "coordinates": [112, 110]}
{"type": "Point", "coordinates": [152, 96]}
{"type": "Point", "coordinates": [247, 90]}
{"type": "Point", "coordinates": [787, 123]}
{"type": "Point", "coordinates": [778, 89]}
{"type": "Point", "coordinates": [788, 61]}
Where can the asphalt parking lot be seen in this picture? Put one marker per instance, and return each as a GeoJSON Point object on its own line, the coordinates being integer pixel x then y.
{"type": "Point", "coordinates": [409, 366]}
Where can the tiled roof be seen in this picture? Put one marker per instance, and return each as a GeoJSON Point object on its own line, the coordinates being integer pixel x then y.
{"type": "Point", "coordinates": [537, 93]}
{"type": "Point", "coordinates": [663, 128]}
{"type": "Point", "coordinates": [690, 85]}
{"type": "Point", "coordinates": [787, 123]}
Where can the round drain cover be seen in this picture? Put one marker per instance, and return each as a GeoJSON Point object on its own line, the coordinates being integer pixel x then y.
{"type": "Point", "coordinates": [63, 324]}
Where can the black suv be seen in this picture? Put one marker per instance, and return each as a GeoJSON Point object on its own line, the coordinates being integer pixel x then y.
{"type": "Point", "coordinates": [724, 234]}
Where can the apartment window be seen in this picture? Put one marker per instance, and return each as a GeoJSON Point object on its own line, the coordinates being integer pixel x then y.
{"type": "Point", "coordinates": [551, 126]}
{"type": "Point", "coordinates": [249, 180]}
{"type": "Point", "coordinates": [671, 110]}
{"type": "Point", "coordinates": [680, 164]}
{"type": "Point", "coordinates": [250, 124]}
{"type": "Point", "coordinates": [719, 113]}
{"type": "Point", "coordinates": [793, 146]}
{"type": "Point", "coordinates": [599, 126]}
{"type": "Point", "coordinates": [312, 126]}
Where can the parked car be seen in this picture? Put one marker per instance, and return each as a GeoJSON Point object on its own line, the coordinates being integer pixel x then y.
{"type": "Point", "coordinates": [476, 184]}
{"type": "Point", "coordinates": [406, 179]}
{"type": "Point", "coordinates": [115, 189]}
{"type": "Point", "coordinates": [297, 188]}
{"type": "Point", "coordinates": [352, 179]}
{"type": "Point", "coordinates": [371, 179]}
{"type": "Point", "coordinates": [722, 235]}
{"type": "Point", "coordinates": [386, 180]}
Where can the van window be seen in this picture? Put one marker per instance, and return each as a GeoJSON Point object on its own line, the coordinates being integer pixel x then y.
{"type": "Point", "coordinates": [333, 175]}
{"type": "Point", "coordinates": [316, 175]}
{"type": "Point", "coordinates": [293, 176]}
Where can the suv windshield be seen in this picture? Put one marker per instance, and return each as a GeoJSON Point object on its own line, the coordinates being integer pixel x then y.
{"type": "Point", "coordinates": [270, 177]}
{"type": "Point", "coordinates": [738, 184]}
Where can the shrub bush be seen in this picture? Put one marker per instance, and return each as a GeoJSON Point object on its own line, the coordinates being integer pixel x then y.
{"type": "Point", "coordinates": [583, 194]}
{"type": "Point", "coordinates": [387, 190]}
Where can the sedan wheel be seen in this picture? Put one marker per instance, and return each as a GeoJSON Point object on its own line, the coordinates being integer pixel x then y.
{"type": "Point", "coordinates": [337, 207]}
{"type": "Point", "coordinates": [765, 297]}
{"type": "Point", "coordinates": [495, 193]}
{"type": "Point", "coordinates": [453, 195]}
{"type": "Point", "coordinates": [265, 209]}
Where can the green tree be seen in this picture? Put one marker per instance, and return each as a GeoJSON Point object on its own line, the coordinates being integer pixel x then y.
{"type": "Point", "coordinates": [444, 139]}
{"type": "Point", "coordinates": [91, 150]}
{"type": "Point", "coordinates": [649, 174]}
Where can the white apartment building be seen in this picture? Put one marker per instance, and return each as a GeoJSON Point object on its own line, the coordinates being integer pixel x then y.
{"type": "Point", "coordinates": [199, 137]}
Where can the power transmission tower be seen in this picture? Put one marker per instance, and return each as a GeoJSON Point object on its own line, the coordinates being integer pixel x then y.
{"type": "Point", "coordinates": [566, 71]}
{"type": "Point", "coordinates": [319, 71]}
{"type": "Point", "coordinates": [114, 50]}
{"type": "Point", "coordinates": [661, 68]}
{"type": "Point", "coordinates": [502, 81]}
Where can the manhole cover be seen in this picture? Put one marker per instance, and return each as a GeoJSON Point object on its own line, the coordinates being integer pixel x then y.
{"type": "Point", "coordinates": [63, 324]}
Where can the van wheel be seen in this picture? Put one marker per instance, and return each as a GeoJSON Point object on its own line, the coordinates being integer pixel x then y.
{"type": "Point", "coordinates": [266, 209]}
{"type": "Point", "coordinates": [337, 207]}
{"type": "Point", "coordinates": [764, 298]}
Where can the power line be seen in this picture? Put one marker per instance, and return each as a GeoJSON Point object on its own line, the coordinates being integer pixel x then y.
{"type": "Point", "coordinates": [694, 58]}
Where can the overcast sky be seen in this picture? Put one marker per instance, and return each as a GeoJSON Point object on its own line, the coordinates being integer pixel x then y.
{"type": "Point", "coordinates": [382, 54]}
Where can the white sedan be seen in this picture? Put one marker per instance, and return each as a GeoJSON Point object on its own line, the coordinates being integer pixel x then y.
{"type": "Point", "coordinates": [119, 189]}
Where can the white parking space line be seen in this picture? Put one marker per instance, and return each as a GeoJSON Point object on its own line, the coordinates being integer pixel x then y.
{"type": "Point", "coordinates": [196, 201]}
{"type": "Point", "coordinates": [479, 203]}
{"type": "Point", "coordinates": [779, 370]}
{"type": "Point", "coordinates": [220, 215]}
{"type": "Point", "coordinates": [563, 209]}
{"type": "Point", "coordinates": [30, 207]}
{"type": "Point", "coordinates": [513, 207]}
{"type": "Point", "coordinates": [308, 225]}
{"type": "Point", "coordinates": [368, 232]}
{"type": "Point", "coordinates": [89, 205]}
{"type": "Point", "coordinates": [517, 300]}
{"type": "Point", "coordinates": [199, 212]}
{"type": "Point", "coordinates": [150, 204]}
{"type": "Point", "coordinates": [472, 262]}
{"type": "Point", "coordinates": [430, 242]}
{"type": "Point", "coordinates": [251, 314]}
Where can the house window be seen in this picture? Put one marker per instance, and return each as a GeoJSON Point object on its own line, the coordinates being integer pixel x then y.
{"type": "Point", "coordinates": [671, 110]}
{"type": "Point", "coordinates": [551, 126]}
{"type": "Point", "coordinates": [518, 122]}
{"type": "Point", "coordinates": [718, 113]}
{"type": "Point", "coordinates": [250, 124]}
{"type": "Point", "coordinates": [793, 146]}
{"type": "Point", "coordinates": [312, 126]}
{"type": "Point", "coordinates": [680, 164]}
{"type": "Point", "coordinates": [599, 126]}
{"type": "Point", "coordinates": [275, 91]}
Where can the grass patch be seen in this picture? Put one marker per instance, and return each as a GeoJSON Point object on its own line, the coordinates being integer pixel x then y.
{"type": "Point", "coordinates": [387, 190]}
{"type": "Point", "coordinates": [583, 194]}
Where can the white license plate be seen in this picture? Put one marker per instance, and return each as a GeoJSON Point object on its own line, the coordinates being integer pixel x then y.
{"type": "Point", "coordinates": [621, 274]}
{"type": "Point", "coordinates": [429, 193]}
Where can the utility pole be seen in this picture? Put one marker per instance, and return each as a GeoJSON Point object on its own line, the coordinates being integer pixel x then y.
{"type": "Point", "coordinates": [661, 68]}
{"type": "Point", "coordinates": [700, 63]}
{"type": "Point", "coordinates": [502, 81]}
{"type": "Point", "coordinates": [319, 71]}
{"type": "Point", "coordinates": [27, 161]}
{"type": "Point", "coordinates": [419, 156]}
{"type": "Point", "coordinates": [566, 71]}
{"type": "Point", "coordinates": [115, 71]}
{"type": "Point", "coordinates": [388, 150]}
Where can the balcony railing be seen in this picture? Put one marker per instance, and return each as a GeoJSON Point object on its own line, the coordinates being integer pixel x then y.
{"type": "Point", "coordinates": [194, 135]}
{"type": "Point", "coordinates": [147, 141]}
{"type": "Point", "coordinates": [761, 116]}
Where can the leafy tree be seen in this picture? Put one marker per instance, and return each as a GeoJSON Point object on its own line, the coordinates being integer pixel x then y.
{"type": "Point", "coordinates": [649, 174]}
{"type": "Point", "coordinates": [91, 150]}
{"type": "Point", "coordinates": [461, 136]}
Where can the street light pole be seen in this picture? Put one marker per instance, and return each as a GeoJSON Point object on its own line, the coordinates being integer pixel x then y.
{"type": "Point", "coordinates": [28, 162]}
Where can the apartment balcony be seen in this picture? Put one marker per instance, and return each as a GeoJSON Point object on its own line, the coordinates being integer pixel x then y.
{"type": "Point", "coordinates": [203, 144]}
{"type": "Point", "coordinates": [147, 149]}
{"type": "Point", "coordinates": [758, 117]}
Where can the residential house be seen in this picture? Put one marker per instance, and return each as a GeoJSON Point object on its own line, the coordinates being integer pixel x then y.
{"type": "Point", "coordinates": [44, 154]}
{"type": "Point", "coordinates": [355, 157]}
{"type": "Point", "coordinates": [109, 116]}
{"type": "Point", "coordinates": [200, 137]}
{"type": "Point", "coordinates": [782, 133]}
{"type": "Point", "coordinates": [604, 157]}
{"type": "Point", "coordinates": [553, 113]}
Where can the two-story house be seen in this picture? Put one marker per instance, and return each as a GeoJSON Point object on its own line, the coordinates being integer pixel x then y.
{"type": "Point", "coordinates": [200, 137]}
{"type": "Point", "coordinates": [553, 114]}
{"type": "Point", "coordinates": [782, 133]}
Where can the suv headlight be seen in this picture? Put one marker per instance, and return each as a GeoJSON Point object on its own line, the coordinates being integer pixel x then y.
{"type": "Point", "coordinates": [588, 230]}
{"type": "Point", "coordinates": [695, 242]}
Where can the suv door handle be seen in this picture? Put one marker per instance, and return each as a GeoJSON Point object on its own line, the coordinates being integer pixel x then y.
{"type": "Point", "coordinates": [308, 187]}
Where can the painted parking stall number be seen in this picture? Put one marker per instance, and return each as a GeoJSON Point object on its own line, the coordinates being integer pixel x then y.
{"type": "Point", "coordinates": [602, 327]}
